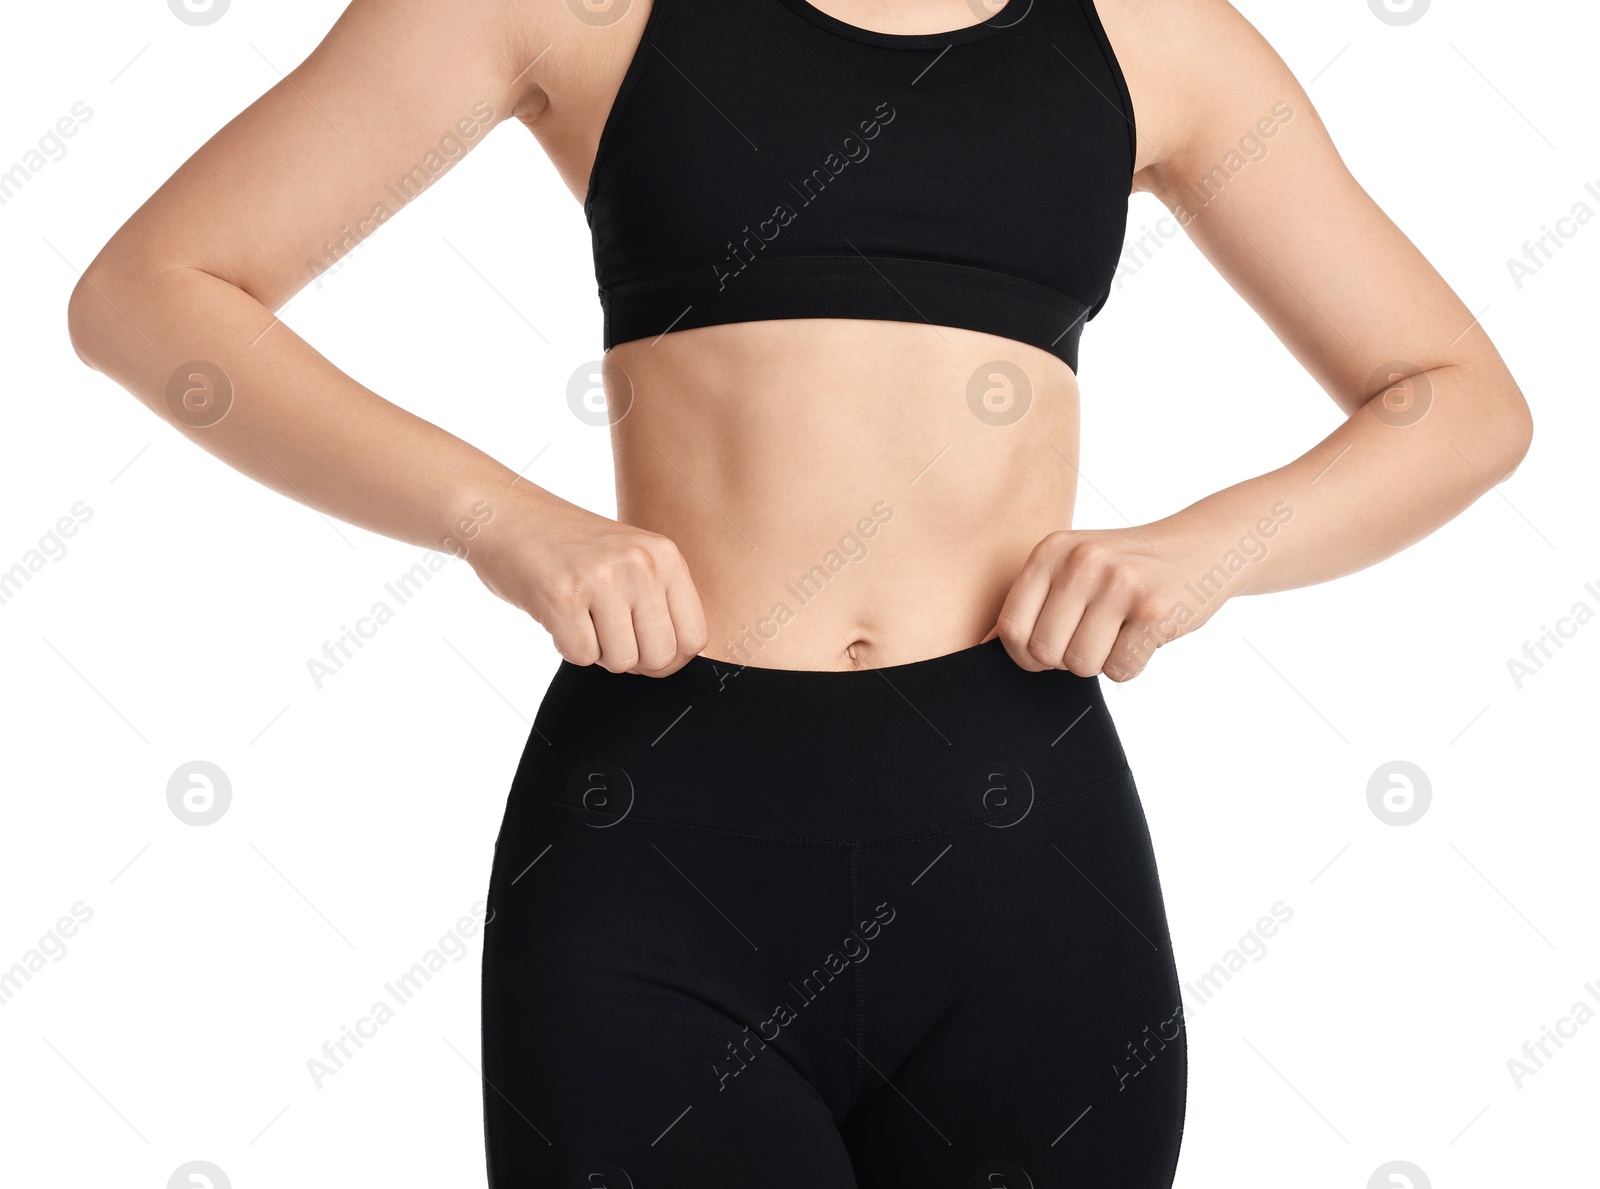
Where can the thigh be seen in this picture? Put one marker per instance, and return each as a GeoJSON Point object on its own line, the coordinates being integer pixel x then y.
{"type": "Point", "coordinates": [629, 978]}
{"type": "Point", "coordinates": [1024, 1023]}
{"type": "Point", "coordinates": [626, 1103]}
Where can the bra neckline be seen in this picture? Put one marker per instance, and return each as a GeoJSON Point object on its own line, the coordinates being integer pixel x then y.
{"type": "Point", "coordinates": [1009, 15]}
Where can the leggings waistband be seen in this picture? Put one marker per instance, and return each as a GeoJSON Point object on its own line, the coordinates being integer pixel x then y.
{"type": "Point", "coordinates": [818, 757]}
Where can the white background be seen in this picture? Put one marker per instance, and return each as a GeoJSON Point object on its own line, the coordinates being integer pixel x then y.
{"type": "Point", "coordinates": [178, 625]}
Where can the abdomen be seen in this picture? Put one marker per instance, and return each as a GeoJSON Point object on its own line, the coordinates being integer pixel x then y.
{"type": "Point", "coordinates": [846, 493]}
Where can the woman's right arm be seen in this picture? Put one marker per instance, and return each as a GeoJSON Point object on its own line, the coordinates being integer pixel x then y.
{"type": "Point", "coordinates": [195, 275]}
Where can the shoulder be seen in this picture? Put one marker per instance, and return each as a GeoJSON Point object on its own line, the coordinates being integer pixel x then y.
{"type": "Point", "coordinates": [1195, 69]}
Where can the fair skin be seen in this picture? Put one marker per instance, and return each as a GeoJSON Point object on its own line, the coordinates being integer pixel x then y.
{"type": "Point", "coordinates": [751, 449]}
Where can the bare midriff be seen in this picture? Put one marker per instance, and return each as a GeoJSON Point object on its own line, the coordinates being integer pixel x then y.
{"type": "Point", "coordinates": [847, 493]}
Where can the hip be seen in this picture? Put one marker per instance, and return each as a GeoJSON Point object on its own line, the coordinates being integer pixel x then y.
{"type": "Point", "coordinates": [834, 758]}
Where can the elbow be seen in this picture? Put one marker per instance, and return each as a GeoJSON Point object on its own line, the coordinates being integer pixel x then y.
{"type": "Point", "coordinates": [1519, 432]}
{"type": "Point", "coordinates": [85, 321]}
{"type": "Point", "coordinates": [1512, 435]}
{"type": "Point", "coordinates": [97, 323]}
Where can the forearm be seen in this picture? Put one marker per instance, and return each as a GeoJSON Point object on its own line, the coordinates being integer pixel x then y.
{"type": "Point", "coordinates": [1378, 483]}
{"type": "Point", "coordinates": [282, 413]}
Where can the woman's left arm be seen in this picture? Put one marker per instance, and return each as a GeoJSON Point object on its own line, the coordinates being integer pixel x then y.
{"type": "Point", "coordinates": [1434, 417]}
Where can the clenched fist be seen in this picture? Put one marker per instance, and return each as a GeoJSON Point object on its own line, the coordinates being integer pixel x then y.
{"type": "Point", "coordinates": [608, 593]}
{"type": "Point", "coordinates": [1102, 601]}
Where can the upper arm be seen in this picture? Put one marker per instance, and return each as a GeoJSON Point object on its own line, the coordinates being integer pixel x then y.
{"type": "Point", "coordinates": [1231, 144]}
{"type": "Point", "coordinates": [397, 93]}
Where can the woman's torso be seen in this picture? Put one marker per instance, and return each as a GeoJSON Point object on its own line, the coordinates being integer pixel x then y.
{"type": "Point", "coordinates": [847, 491]}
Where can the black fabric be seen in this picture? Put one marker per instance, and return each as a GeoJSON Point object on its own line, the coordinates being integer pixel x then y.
{"type": "Point", "coordinates": [775, 929]}
{"type": "Point", "coordinates": [749, 132]}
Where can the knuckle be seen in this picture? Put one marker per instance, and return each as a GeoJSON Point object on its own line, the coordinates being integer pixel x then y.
{"type": "Point", "coordinates": [654, 555]}
{"type": "Point", "coordinates": [1091, 555]}
{"type": "Point", "coordinates": [657, 659]}
{"type": "Point", "coordinates": [580, 656]}
{"type": "Point", "coordinates": [619, 662]}
{"type": "Point", "coordinates": [1123, 577]}
{"type": "Point", "coordinates": [1052, 546]}
{"type": "Point", "coordinates": [1043, 652]}
{"type": "Point", "coordinates": [1077, 665]}
{"type": "Point", "coordinates": [624, 563]}
{"type": "Point", "coordinates": [1012, 630]}
{"type": "Point", "coordinates": [662, 550]}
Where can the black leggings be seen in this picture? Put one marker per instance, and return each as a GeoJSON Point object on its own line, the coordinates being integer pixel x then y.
{"type": "Point", "coordinates": [769, 929]}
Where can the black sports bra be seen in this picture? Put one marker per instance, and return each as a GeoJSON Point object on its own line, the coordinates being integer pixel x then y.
{"type": "Point", "coordinates": [763, 159]}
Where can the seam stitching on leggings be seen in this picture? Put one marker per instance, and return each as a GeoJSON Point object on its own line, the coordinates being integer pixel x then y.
{"type": "Point", "coordinates": [861, 1002]}
{"type": "Point", "coordinates": [779, 841]}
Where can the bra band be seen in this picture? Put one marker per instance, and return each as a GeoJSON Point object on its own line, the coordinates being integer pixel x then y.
{"type": "Point", "coordinates": [883, 288]}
